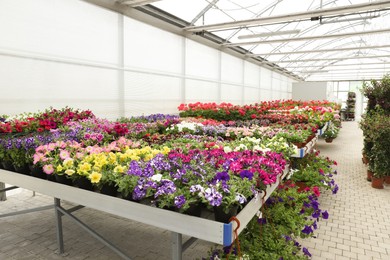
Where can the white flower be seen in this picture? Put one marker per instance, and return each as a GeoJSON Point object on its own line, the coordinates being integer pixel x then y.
{"type": "Point", "coordinates": [227, 149]}
{"type": "Point", "coordinates": [157, 177]}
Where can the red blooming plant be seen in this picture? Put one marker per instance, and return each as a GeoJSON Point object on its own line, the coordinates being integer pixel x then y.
{"type": "Point", "coordinates": [39, 122]}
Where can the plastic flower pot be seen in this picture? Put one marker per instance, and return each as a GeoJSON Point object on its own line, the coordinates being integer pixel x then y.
{"type": "Point", "coordinates": [22, 169]}
{"type": "Point", "coordinates": [221, 216]}
{"type": "Point", "coordinates": [377, 183]}
{"type": "Point", "coordinates": [84, 183]}
{"type": "Point", "coordinates": [387, 180]}
{"type": "Point", "coordinates": [329, 140]}
{"type": "Point", "coordinates": [7, 165]}
{"type": "Point", "coordinates": [109, 189]}
{"type": "Point", "coordinates": [37, 172]}
{"type": "Point", "coordinates": [63, 179]}
{"type": "Point", "coordinates": [369, 175]}
{"type": "Point", "coordinates": [194, 210]}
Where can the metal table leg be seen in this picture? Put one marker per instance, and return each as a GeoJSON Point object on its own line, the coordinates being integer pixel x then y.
{"type": "Point", "coordinates": [176, 246]}
{"type": "Point", "coordinates": [60, 236]}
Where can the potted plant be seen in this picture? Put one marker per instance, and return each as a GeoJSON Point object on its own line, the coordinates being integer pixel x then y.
{"type": "Point", "coordinates": [331, 133]}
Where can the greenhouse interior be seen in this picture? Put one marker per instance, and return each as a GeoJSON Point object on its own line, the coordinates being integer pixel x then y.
{"type": "Point", "coordinates": [194, 129]}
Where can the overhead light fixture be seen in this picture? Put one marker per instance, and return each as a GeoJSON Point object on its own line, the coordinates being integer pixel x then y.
{"type": "Point", "coordinates": [349, 19]}
{"type": "Point", "coordinates": [135, 3]}
{"type": "Point", "coordinates": [330, 59]}
{"type": "Point", "coordinates": [307, 38]}
{"type": "Point", "coordinates": [277, 33]}
{"type": "Point", "coordinates": [311, 71]}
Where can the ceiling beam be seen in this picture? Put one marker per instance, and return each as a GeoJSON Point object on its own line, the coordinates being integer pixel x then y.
{"type": "Point", "coordinates": [338, 58]}
{"type": "Point", "coordinates": [308, 38]}
{"type": "Point", "coordinates": [201, 13]}
{"type": "Point", "coordinates": [321, 50]}
{"type": "Point", "coordinates": [295, 17]}
{"type": "Point", "coordinates": [337, 65]}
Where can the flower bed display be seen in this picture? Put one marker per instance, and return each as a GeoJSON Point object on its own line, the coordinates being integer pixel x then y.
{"type": "Point", "coordinates": [213, 157]}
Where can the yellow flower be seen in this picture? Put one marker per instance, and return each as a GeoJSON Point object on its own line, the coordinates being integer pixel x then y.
{"type": "Point", "coordinates": [95, 177]}
{"type": "Point", "coordinates": [68, 162]}
{"type": "Point", "coordinates": [84, 168]}
{"type": "Point", "coordinates": [112, 158]}
{"type": "Point", "coordinates": [59, 168]}
{"type": "Point", "coordinates": [69, 172]}
{"type": "Point", "coordinates": [119, 169]}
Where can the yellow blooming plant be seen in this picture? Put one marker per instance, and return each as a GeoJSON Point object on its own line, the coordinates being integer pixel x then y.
{"type": "Point", "coordinates": [106, 167]}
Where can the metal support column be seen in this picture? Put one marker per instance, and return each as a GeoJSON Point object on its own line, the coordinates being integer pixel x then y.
{"type": "Point", "coordinates": [177, 246]}
{"type": "Point", "coordinates": [60, 236]}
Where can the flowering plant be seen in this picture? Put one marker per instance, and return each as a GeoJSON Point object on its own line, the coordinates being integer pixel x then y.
{"type": "Point", "coordinates": [331, 132]}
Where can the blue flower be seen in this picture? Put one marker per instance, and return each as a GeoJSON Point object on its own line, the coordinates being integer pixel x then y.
{"type": "Point", "coordinates": [306, 252]}
{"type": "Point", "coordinates": [246, 174]}
{"type": "Point", "coordinates": [325, 214]}
{"type": "Point", "coordinates": [262, 221]}
{"type": "Point", "coordinates": [307, 230]}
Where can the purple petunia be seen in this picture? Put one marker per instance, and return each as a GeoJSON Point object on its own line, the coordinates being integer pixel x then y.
{"type": "Point", "coordinates": [213, 197]}
{"type": "Point", "coordinates": [246, 174]}
{"type": "Point", "coordinates": [180, 201]}
{"type": "Point", "coordinates": [307, 230]}
{"type": "Point", "coordinates": [134, 169]}
{"type": "Point", "coordinates": [262, 221]}
{"type": "Point", "coordinates": [306, 252]}
{"type": "Point", "coordinates": [222, 176]}
{"type": "Point", "coordinates": [335, 190]}
{"type": "Point", "coordinates": [316, 214]}
{"type": "Point", "coordinates": [325, 214]}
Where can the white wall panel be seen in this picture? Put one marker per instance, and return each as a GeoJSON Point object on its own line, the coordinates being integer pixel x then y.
{"type": "Point", "coordinates": [231, 93]}
{"type": "Point", "coordinates": [149, 94]}
{"type": "Point", "coordinates": [151, 48]}
{"type": "Point", "coordinates": [231, 69]}
{"type": "Point", "coordinates": [265, 94]}
{"type": "Point", "coordinates": [252, 74]}
{"type": "Point", "coordinates": [251, 95]}
{"type": "Point", "coordinates": [47, 48]}
{"type": "Point", "coordinates": [265, 79]}
{"type": "Point", "coordinates": [201, 91]}
{"type": "Point", "coordinates": [30, 85]}
{"type": "Point", "coordinates": [201, 61]}
{"type": "Point", "coordinates": [72, 29]}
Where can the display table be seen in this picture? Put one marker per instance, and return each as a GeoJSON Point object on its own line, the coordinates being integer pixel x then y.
{"type": "Point", "coordinates": [301, 152]}
{"type": "Point", "coordinates": [178, 224]}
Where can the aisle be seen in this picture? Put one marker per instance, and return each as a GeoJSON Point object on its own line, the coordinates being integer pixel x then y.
{"type": "Point", "coordinates": [359, 216]}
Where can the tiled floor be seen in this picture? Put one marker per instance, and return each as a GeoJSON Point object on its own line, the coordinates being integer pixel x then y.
{"type": "Point", "coordinates": [358, 226]}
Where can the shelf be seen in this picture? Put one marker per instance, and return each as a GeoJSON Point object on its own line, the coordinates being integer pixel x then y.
{"type": "Point", "coordinates": [301, 152]}
{"type": "Point", "coordinates": [202, 228]}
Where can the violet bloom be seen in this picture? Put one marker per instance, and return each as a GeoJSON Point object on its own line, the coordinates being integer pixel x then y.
{"type": "Point", "coordinates": [262, 221]}
{"type": "Point", "coordinates": [134, 169]}
{"type": "Point", "coordinates": [325, 214]}
{"type": "Point", "coordinates": [196, 188]}
{"type": "Point", "coordinates": [336, 189]}
{"type": "Point", "coordinates": [139, 192]}
{"type": "Point", "coordinates": [180, 201]}
{"type": "Point", "coordinates": [316, 214]}
{"type": "Point", "coordinates": [222, 176]}
{"type": "Point", "coordinates": [315, 225]}
{"type": "Point", "coordinates": [213, 197]}
{"type": "Point", "coordinates": [306, 252]}
{"type": "Point", "coordinates": [246, 174]}
{"type": "Point", "coordinates": [307, 230]}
